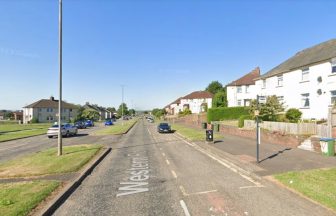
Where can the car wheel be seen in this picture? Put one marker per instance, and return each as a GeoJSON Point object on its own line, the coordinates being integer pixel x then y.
{"type": "Point", "coordinates": [50, 137]}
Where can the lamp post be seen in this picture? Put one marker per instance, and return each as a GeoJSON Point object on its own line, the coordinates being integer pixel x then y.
{"type": "Point", "coordinates": [60, 80]}
{"type": "Point", "coordinates": [122, 104]}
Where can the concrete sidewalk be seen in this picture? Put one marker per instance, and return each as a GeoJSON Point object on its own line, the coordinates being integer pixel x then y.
{"type": "Point", "coordinates": [273, 158]}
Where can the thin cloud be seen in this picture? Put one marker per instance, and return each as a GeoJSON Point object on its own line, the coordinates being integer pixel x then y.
{"type": "Point", "coordinates": [19, 53]}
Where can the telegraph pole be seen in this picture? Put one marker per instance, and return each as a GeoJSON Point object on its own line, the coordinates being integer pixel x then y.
{"type": "Point", "coordinates": [60, 80]}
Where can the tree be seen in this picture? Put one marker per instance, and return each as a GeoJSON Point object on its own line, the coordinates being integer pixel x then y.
{"type": "Point", "coordinates": [90, 114]}
{"type": "Point", "coordinates": [131, 111]}
{"type": "Point", "coordinates": [122, 109]}
{"type": "Point", "coordinates": [220, 99]}
{"type": "Point", "coordinates": [112, 109]}
{"type": "Point", "coordinates": [80, 111]}
{"type": "Point", "coordinates": [214, 87]}
{"type": "Point", "coordinates": [293, 115]}
{"type": "Point", "coordinates": [269, 110]}
{"type": "Point", "coordinates": [158, 112]}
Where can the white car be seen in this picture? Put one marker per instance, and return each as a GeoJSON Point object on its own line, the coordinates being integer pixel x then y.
{"type": "Point", "coordinates": [67, 130]}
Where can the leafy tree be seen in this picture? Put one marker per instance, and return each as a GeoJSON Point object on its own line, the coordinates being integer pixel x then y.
{"type": "Point", "coordinates": [80, 111]}
{"type": "Point", "coordinates": [122, 109]}
{"type": "Point", "coordinates": [9, 115]}
{"type": "Point", "coordinates": [158, 112]}
{"type": "Point", "coordinates": [214, 87]}
{"type": "Point", "coordinates": [131, 111]}
{"type": "Point", "coordinates": [112, 109]}
{"type": "Point", "coordinates": [293, 115]}
{"type": "Point", "coordinates": [220, 99]}
{"type": "Point", "coordinates": [90, 114]}
{"type": "Point", "coordinates": [269, 110]}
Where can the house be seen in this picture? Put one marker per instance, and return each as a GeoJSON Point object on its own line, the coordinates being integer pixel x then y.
{"type": "Point", "coordinates": [101, 110]}
{"type": "Point", "coordinates": [174, 107]}
{"type": "Point", "coordinates": [2, 115]}
{"type": "Point", "coordinates": [196, 102]}
{"type": "Point", "coordinates": [18, 116]}
{"type": "Point", "coordinates": [306, 81]}
{"type": "Point", "coordinates": [46, 110]}
{"type": "Point", "coordinates": [241, 91]}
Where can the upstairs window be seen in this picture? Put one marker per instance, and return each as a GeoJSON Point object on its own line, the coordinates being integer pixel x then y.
{"type": "Point", "coordinates": [280, 79]}
{"type": "Point", "coordinates": [333, 66]}
{"type": "Point", "coordinates": [305, 100]}
{"type": "Point", "coordinates": [247, 89]}
{"type": "Point", "coordinates": [264, 84]}
{"type": "Point", "coordinates": [305, 74]}
{"type": "Point", "coordinates": [49, 109]}
{"type": "Point", "coordinates": [239, 89]}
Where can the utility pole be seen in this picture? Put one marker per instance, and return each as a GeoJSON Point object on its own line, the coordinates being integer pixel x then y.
{"type": "Point", "coordinates": [60, 81]}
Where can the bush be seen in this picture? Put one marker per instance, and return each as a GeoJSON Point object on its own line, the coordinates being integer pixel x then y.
{"type": "Point", "coordinates": [293, 115]}
{"type": "Point", "coordinates": [226, 113]}
{"type": "Point", "coordinates": [34, 120]}
{"type": "Point", "coordinates": [184, 112]}
{"type": "Point", "coordinates": [242, 118]}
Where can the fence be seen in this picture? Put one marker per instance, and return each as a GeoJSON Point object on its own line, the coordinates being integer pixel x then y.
{"type": "Point", "coordinates": [290, 128]}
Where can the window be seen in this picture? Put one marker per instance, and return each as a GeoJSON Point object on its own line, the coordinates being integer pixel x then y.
{"type": "Point", "coordinates": [280, 79]}
{"type": "Point", "coordinates": [281, 99]}
{"type": "Point", "coordinates": [305, 100]}
{"type": "Point", "coordinates": [40, 109]}
{"type": "Point", "coordinates": [50, 118]}
{"type": "Point", "coordinates": [49, 109]}
{"type": "Point", "coordinates": [247, 89]}
{"type": "Point", "coordinates": [333, 65]}
{"type": "Point", "coordinates": [239, 102]}
{"type": "Point", "coordinates": [70, 110]}
{"type": "Point", "coordinates": [305, 74]}
{"type": "Point", "coordinates": [333, 97]}
{"type": "Point", "coordinates": [239, 89]}
{"type": "Point", "coordinates": [264, 84]}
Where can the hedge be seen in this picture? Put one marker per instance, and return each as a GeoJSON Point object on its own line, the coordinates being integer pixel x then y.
{"type": "Point", "coordinates": [242, 118]}
{"type": "Point", "coordinates": [226, 113]}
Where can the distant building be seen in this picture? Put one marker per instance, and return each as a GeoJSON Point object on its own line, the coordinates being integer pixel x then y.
{"type": "Point", "coordinates": [103, 113]}
{"type": "Point", "coordinates": [18, 116]}
{"type": "Point", "coordinates": [241, 91]}
{"type": "Point", "coordinates": [197, 101]}
{"type": "Point", "coordinates": [46, 110]}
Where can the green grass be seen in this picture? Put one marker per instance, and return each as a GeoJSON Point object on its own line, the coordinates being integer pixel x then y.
{"type": "Point", "coordinates": [192, 133]}
{"type": "Point", "coordinates": [21, 198]}
{"type": "Point", "coordinates": [117, 128]}
{"type": "Point", "coordinates": [318, 185]}
{"type": "Point", "coordinates": [10, 132]}
{"type": "Point", "coordinates": [47, 162]}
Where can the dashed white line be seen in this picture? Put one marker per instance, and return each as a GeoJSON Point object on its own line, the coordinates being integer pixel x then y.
{"type": "Point", "coordinates": [167, 161]}
{"type": "Point", "coordinates": [174, 173]}
{"type": "Point", "coordinates": [184, 207]}
{"type": "Point", "coordinates": [163, 154]}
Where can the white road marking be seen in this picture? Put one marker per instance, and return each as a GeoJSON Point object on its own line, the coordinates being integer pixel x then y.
{"type": "Point", "coordinates": [197, 193]}
{"type": "Point", "coordinates": [253, 186]}
{"type": "Point", "coordinates": [174, 173]}
{"type": "Point", "coordinates": [224, 162]}
{"type": "Point", "coordinates": [163, 154]}
{"type": "Point", "coordinates": [183, 191]}
{"type": "Point", "coordinates": [184, 207]}
{"type": "Point", "coordinates": [167, 161]}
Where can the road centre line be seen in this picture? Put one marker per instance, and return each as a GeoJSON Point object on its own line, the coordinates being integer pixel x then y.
{"type": "Point", "coordinates": [163, 154]}
{"type": "Point", "coordinates": [223, 162]}
{"type": "Point", "coordinates": [196, 193]}
{"type": "Point", "coordinates": [174, 173]}
{"type": "Point", "coordinates": [167, 161]}
{"type": "Point", "coordinates": [184, 207]}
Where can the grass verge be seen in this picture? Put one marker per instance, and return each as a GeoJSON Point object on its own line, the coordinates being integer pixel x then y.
{"type": "Point", "coordinates": [318, 185]}
{"type": "Point", "coordinates": [21, 198]}
{"type": "Point", "coordinates": [47, 162]}
{"type": "Point", "coordinates": [118, 128]}
{"type": "Point", "coordinates": [193, 134]}
{"type": "Point", "coordinates": [11, 132]}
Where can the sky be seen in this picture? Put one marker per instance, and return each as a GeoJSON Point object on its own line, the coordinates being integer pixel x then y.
{"type": "Point", "coordinates": [158, 49]}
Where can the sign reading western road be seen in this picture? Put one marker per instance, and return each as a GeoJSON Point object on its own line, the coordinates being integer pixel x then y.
{"type": "Point", "coordinates": [138, 180]}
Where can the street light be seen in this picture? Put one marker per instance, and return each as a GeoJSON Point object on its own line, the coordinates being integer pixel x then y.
{"type": "Point", "coordinates": [60, 80]}
{"type": "Point", "coordinates": [122, 104]}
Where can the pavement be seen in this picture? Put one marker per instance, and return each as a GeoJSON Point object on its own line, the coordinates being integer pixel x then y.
{"type": "Point", "coordinates": [273, 158]}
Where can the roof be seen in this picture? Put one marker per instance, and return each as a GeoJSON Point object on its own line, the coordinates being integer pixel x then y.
{"type": "Point", "coordinates": [315, 54]}
{"type": "Point", "coordinates": [50, 103]}
{"type": "Point", "coordinates": [198, 95]}
{"type": "Point", "coordinates": [247, 79]}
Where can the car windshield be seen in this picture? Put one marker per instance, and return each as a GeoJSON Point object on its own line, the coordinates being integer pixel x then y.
{"type": "Point", "coordinates": [164, 124]}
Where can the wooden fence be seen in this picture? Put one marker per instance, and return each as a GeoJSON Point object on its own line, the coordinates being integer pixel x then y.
{"type": "Point", "coordinates": [290, 128]}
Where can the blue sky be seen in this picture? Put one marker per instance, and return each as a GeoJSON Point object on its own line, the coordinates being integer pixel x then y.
{"type": "Point", "coordinates": [160, 50]}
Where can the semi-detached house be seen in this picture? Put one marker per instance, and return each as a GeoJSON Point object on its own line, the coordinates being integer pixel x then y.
{"type": "Point", "coordinates": [46, 110]}
{"type": "Point", "coordinates": [306, 81]}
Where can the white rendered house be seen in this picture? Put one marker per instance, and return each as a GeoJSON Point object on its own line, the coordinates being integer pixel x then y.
{"type": "Point", "coordinates": [306, 81]}
{"type": "Point", "coordinates": [197, 102]}
{"type": "Point", "coordinates": [241, 91]}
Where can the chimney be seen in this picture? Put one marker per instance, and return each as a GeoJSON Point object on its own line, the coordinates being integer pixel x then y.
{"type": "Point", "coordinates": [52, 98]}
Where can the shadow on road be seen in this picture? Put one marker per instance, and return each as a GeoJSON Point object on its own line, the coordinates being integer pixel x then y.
{"type": "Point", "coordinates": [275, 154]}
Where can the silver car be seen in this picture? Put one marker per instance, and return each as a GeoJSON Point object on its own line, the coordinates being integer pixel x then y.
{"type": "Point", "coordinates": [66, 130]}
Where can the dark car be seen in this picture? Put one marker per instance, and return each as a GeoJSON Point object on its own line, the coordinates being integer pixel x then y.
{"type": "Point", "coordinates": [89, 123]}
{"type": "Point", "coordinates": [80, 125]}
{"type": "Point", "coordinates": [164, 128]}
{"type": "Point", "coordinates": [108, 122]}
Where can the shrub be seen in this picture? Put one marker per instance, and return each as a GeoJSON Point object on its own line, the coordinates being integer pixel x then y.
{"type": "Point", "coordinates": [184, 112]}
{"type": "Point", "coordinates": [34, 120]}
{"type": "Point", "coordinates": [281, 118]}
{"type": "Point", "coordinates": [293, 115]}
{"type": "Point", "coordinates": [226, 113]}
{"type": "Point", "coordinates": [242, 118]}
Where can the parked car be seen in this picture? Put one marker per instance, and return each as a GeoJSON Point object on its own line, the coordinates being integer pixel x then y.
{"type": "Point", "coordinates": [108, 122]}
{"type": "Point", "coordinates": [164, 128]}
{"type": "Point", "coordinates": [66, 130]}
{"type": "Point", "coordinates": [150, 120]}
{"type": "Point", "coordinates": [80, 125]}
{"type": "Point", "coordinates": [89, 123]}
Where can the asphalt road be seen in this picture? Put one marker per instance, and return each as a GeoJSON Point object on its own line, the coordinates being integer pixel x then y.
{"type": "Point", "coordinates": [20, 147]}
{"type": "Point", "coordinates": [160, 174]}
